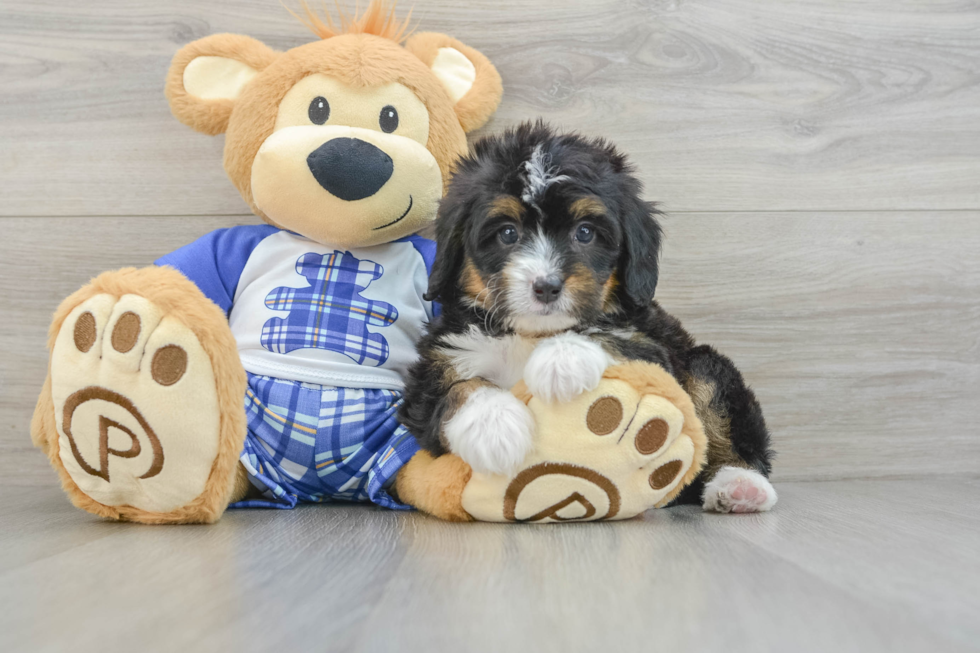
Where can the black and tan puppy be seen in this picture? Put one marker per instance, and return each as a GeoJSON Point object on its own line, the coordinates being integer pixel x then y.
{"type": "Point", "coordinates": [546, 270]}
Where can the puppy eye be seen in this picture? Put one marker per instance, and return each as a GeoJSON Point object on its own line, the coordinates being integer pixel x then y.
{"type": "Point", "coordinates": [388, 119]}
{"type": "Point", "coordinates": [319, 110]}
{"type": "Point", "coordinates": [585, 233]}
{"type": "Point", "coordinates": [508, 235]}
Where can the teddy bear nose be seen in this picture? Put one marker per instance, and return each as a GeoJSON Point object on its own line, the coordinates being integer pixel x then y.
{"type": "Point", "coordinates": [350, 168]}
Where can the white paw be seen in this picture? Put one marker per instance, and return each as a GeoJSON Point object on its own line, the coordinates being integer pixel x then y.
{"type": "Point", "coordinates": [493, 431]}
{"type": "Point", "coordinates": [734, 489]}
{"type": "Point", "coordinates": [564, 366]}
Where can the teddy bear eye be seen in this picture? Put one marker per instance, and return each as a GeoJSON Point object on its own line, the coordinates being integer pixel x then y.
{"type": "Point", "coordinates": [319, 110]}
{"type": "Point", "coordinates": [388, 119]}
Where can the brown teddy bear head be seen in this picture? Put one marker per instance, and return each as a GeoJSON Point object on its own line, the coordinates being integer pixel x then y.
{"type": "Point", "coordinates": [348, 140]}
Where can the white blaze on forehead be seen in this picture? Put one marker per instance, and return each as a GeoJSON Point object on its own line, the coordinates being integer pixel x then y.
{"type": "Point", "coordinates": [539, 175]}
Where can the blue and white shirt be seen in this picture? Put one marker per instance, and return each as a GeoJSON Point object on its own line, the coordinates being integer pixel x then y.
{"type": "Point", "coordinates": [314, 313]}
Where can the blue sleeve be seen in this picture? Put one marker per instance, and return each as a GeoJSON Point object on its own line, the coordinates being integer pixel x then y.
{"type": "Point", "coordinates": [427, 250]}
{"type": "Point", "coordinates": [215, 262]}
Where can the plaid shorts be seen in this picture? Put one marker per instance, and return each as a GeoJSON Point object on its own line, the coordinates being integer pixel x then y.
{"type": "Point", "coordinates": [310, 443]}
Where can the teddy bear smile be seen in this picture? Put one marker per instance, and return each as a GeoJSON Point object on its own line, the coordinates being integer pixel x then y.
{"type": "Point", "coordinates": [402, 217]}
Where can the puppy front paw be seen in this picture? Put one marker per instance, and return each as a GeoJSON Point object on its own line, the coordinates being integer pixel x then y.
{"type": "Point", "coordinates": [565, 366]}
{"type": "Point", "coordinates": [493, 431]}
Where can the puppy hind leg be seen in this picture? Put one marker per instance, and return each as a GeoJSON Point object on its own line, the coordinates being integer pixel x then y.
{"type": "Point", "coordinates": [739, 456]}
{"type": "Point", "coordinates": [735, 489]}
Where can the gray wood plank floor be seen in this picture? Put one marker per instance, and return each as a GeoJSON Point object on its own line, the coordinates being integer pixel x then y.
{"type": "Point", "coordinates": [839, 566]}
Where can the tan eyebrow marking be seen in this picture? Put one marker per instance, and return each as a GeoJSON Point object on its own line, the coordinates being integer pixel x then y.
{"type": "Point", "coordinates": [586, 206]}
{"type": "Point", "coordinates": [508, 205]}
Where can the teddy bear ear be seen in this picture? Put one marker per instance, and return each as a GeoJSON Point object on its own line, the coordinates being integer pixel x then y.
{"type": "Point", "coordinates": [206, 76]}
{"type": "Point", "coordinates": [469, 78]}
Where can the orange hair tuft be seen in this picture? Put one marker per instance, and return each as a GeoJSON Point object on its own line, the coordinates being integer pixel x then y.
{"type": "Point", "coordinates": [378, 19]}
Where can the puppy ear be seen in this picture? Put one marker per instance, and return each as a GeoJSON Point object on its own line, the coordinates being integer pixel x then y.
{"type": "Point", "coordinates": [639, 261]}
{"type": "Point", "coordinates": [206, 77]}
{"type": "Point", "coordinates": [470, 80]}
{"type": "Point", "coordinates": [449, 251]}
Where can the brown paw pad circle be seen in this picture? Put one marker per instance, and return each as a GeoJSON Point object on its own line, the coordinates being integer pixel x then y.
{"type": "Point", "coordinates": [651, 436]}
{"type": "Point", "coordinates": [85, 332]}
{"type": "Point", "coordinates": [594, 496]}
{"type": "Point", "coordinates": [169, 364]}
{"type": "Point", "coordinates": [665, 474]}
{"type": "Point", "coordinates": [100, 467]}
{"type": "Point", "coordinates": [126, 332]}
{"type": "Point", "coordinates": [604, 415]}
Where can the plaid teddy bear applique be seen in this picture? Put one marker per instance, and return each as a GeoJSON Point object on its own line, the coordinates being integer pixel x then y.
{"type": "Point", "coordinates": [331, 313]}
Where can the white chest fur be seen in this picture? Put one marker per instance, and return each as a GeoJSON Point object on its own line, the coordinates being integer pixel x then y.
{"type": "Point", "coordinates": [500, 360]}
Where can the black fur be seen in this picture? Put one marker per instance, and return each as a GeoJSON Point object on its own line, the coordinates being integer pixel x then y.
{"type": "Point", "coordinates": [623, 256]}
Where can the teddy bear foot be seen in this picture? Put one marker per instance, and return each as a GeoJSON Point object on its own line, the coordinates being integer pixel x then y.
{"type": "Point", "coordinates": [142, 411]}
{"type": "Point", "coordinates": [630, 444]}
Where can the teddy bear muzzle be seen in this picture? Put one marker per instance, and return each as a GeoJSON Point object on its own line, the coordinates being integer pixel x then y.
{"type": "Point", "coordinates": [345, 186]}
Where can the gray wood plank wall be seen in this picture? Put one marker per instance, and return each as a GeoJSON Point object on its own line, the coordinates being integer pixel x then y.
{"type": "Point", "coordinates": [819, 160]}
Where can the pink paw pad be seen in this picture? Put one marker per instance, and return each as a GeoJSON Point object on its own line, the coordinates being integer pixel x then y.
{"type": "Point", "coordinates": [747, 496]}
{"type": "Point", "coordinates": [738, 490]}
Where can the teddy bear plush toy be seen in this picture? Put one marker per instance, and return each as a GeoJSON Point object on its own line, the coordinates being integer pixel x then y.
{"type": "Point", "coordinates": [263, 365]}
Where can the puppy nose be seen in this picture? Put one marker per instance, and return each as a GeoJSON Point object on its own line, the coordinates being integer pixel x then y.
{"type": "Point", "coordinates": [350, 168]}
{"type": "Point", "coordinates": [547, 289]}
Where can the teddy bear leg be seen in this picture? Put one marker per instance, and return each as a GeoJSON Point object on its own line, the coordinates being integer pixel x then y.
{"type": "Point", "coordinates": [142, 413]}
{"type": "Point", "coordinates": [435, 485]}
